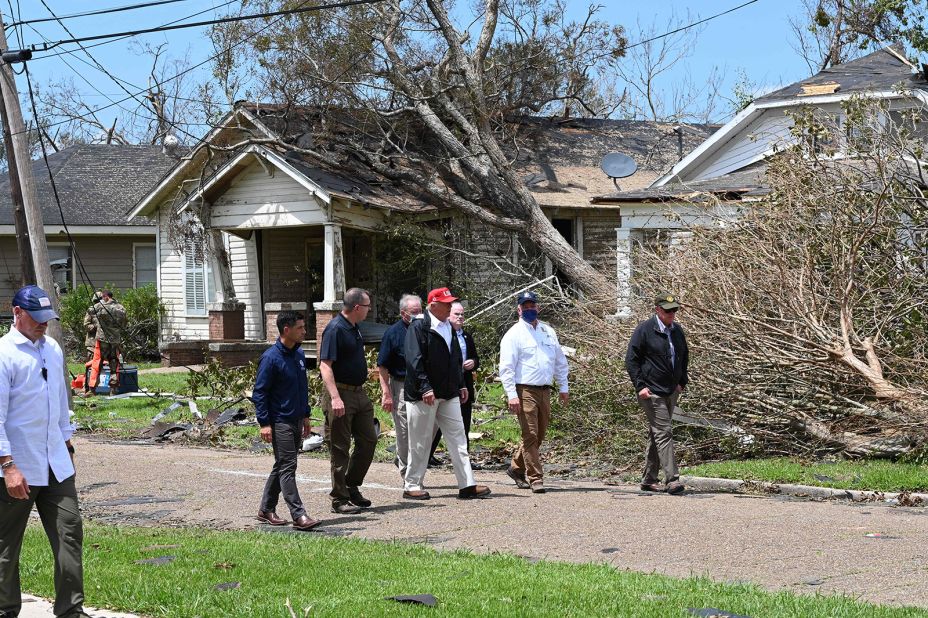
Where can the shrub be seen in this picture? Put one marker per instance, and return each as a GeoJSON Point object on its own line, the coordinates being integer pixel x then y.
{"type": "Point", "coordinates": [143, 314]}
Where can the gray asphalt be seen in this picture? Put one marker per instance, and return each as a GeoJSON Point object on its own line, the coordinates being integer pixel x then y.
{"type": "Point", "coordinates": [780, 543]}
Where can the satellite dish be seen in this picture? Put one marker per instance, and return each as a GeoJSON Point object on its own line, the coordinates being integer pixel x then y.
{"type": "Point", "coordinates": [618, 165]}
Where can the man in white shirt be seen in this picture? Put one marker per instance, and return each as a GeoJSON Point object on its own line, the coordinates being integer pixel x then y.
{"type": "Point", "coordinates": [36, 456]}
{"type": "Point", "coordinates": [530, 358]}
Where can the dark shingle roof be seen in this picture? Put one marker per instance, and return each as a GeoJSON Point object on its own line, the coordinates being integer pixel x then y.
{"type": "Point", "coordinates": [97, 184]}
{"type": "Point", "coordinates": [750, 181]}
{"type": "Point", "coordinates": [880, 71]}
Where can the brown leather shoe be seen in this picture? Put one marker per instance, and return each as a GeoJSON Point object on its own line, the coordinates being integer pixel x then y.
{"type": "Point", "coordinates": [675, 487]}
{"type": "Point", "coordinates": [474, 491]}
{"type": "Point", "coordinates": [518, 477]}
{"type": "Point", "coordinates": [416, 494]}
{"type": "Point", "coordinates": [271, 518]}
{"type": "Point", "coordinates": [538, 487]}
{"type": "Point", "coordinates": [652, 487]}
{"type": "Point", "coordinates": [305, 522]}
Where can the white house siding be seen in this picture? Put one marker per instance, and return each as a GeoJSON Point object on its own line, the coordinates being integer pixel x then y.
{"type": "Point", "coordinates": [256, 200]}
{"type": "Point", "coordinates": [175, 324]}
{"type": "Point", "coordinates": [247, 281]}
{"type": "Point", "coordinates": [747, 146]}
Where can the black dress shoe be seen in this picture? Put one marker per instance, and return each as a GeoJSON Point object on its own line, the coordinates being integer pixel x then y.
{"type": "Point", "coordinates": [474, 491]}
{"type": "Point", "coordinates": [271, 518]}
{"type": "Point", "coordinates": [435, 462]}
{"type": "Point", "coordinates": [355, 497]}
{"type": "Point", "coordinates": [304, 522]}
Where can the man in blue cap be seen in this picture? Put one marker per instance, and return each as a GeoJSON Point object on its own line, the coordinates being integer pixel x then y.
{"type": "Point", "coordinates": [530, 359]}
{"type": "Point", "coordinates": [36, 455]}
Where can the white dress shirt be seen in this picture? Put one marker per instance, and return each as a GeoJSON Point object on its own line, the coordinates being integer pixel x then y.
{"type": "Point", "coordinates": [34, 420]}
{"type": "Point", "coordinates": [664, 328]}
{"type": "Point", "coordinates": [442, 328]}
{"type": "Point", "coordinates": [463, 344]}
{"type": "Point", "coordinates": [531, 355]}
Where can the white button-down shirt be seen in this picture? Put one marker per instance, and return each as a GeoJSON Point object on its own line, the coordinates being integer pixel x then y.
{"type": "Point", "coordinates": [34, 420]}
{"type": "Point", "coordinates": [442, 328]}
{"type": "Point", "coordinates": [463, 343]}
{"type": "Point", "coordinates": [531, 355]}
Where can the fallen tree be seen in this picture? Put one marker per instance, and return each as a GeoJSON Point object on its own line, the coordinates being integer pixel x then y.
{"type": "Point", "coordinates": [806, 310]}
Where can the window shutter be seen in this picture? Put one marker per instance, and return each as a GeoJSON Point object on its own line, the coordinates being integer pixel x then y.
{"type": "Point", "coordinates": [194, 283]}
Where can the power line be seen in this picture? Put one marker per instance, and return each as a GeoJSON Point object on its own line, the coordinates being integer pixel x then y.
{"type": "Point", "coordinates": [211, 22]}
{"type": "Point", "coordinates": [170, 23]}
{"type": "Point", "coordinates": [688, 26]}
{"type": "Point", "coordinates": [117, 9]}
{"type": "Point", "coordinates": [225, 50]}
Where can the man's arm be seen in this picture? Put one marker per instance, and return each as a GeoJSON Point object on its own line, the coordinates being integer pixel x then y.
{"type": "Point", "coordinates": [264, 380]}
{"type": "Point", "coordinates": [386, 397]}
{"type": "Point", "coordinates": [472, 351]}
{"type": "Point", "coordinates": [685, 376]}
{"type": "Point", "coordinates": [633, 360]}
{"type": "Point", "coordinates": [328, 379]}
{"type": "Point", "coordinates": [508, 360]}
{"type": "Point", "coordinates": [16, 485]}
{"type": "Point", "coordinates": [560, 368]}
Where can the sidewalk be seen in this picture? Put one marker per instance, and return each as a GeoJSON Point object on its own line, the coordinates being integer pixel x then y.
{"type": "Point", "coordinates": [34, 607]}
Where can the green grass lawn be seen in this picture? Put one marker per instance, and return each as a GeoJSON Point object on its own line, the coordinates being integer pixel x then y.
{"type": "Point", "coordinates": [878, 475]}
{"type": "Point", "coordinates": [347, 577]}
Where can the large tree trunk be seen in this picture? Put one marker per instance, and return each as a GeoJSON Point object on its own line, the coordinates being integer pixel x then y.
{"type": "Point", "coordinates": [565, 258]}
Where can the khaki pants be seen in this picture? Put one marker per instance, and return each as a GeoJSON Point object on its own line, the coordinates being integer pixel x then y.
{"type": "Point", "coordinates": [349, 467]}
{"type": "Point", "coordinates": [534, 416]}
{"type": "Point", "coordinates": [659, 452]}
{"type": "Point", "coordinates": [446, 415]}
{"type": "Point", "coordinates": [400, 423]}
{"type": "Point", "coordinates": [57, 507]}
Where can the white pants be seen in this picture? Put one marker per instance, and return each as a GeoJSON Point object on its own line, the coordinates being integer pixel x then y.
{"type": "Point", "coordinates": [422, 418]}
{"type": "Point", "coordinates": [400, 425]}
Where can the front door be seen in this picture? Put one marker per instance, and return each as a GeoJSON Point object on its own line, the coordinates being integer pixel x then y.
{"type": "Point", "coordinates": [314, 262]}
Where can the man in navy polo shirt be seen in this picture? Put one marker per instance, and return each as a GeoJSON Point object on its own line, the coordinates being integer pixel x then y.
{"type": "Point", "coordinates": [349, 412]}
{"type": "Point", "coordinates": [281, 398]}
{"type": "Point", "coordinates": [391, 366]}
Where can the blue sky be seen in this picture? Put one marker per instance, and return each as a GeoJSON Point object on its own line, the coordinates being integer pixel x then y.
{"type": "Point", "coordinates": [755, 39]}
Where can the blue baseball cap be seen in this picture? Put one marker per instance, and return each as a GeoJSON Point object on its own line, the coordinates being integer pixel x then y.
{"type": "Point", "coordinates": [36, 303]}
{"type": "Point", "coordinates": [525, 297]}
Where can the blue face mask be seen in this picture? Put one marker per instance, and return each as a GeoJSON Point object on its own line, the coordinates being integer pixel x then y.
{"type": "Point", "coordinates": [530, 315]}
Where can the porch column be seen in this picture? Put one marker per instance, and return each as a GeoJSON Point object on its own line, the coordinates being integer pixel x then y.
{"type": "Point", "coordinates": [624, 243]}
{"type": "Point", "coordinates": [333, 287]}
{"type": "Point", "coordinates": [227, 314]}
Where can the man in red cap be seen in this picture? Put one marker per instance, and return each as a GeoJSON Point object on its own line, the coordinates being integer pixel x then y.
{"type": "Point", "coordinates": [434, 391]}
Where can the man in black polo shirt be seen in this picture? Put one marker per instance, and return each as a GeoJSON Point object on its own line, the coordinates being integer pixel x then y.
{"type": "Point", "coordinates": [391, 366]}
{"type": "Point", "coordinates": [349, 412]}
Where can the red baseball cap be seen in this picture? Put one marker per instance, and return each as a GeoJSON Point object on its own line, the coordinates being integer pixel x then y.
{"type": "Point", "coordinates": [441, 295]}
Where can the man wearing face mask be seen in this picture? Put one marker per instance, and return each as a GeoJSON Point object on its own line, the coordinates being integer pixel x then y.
{"type": "Point", "coordinates": [530, 358]}
{"type": "Point", "coordinates": [391, 366]}
{"type": "Point", "coordinates": [657, 361]}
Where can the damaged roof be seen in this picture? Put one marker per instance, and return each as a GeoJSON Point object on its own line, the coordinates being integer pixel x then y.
{"type": "Point", "coordinates": [557, 158]}
{"type": "Point", "coordinates": [882, 70]}
{"type": "Point", "coordinates": [747, 182]}
{"type": "Point", "coordinates": [97, 184]}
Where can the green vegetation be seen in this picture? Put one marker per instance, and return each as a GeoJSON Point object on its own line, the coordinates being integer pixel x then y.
{"type": "Point", "coordinates": [347, 577]}
{"type": "Point", "coordinates": [876, 475]}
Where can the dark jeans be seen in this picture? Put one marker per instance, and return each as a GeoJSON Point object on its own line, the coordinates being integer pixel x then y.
{"type": "Point", "coordinates": [466, 413]}
{"type": "Point", "coordinates": [58, 510]}
{"type": "Point", "coordinates": [286, 438]}
{"type": "Point", "coordinates": [349, 467]}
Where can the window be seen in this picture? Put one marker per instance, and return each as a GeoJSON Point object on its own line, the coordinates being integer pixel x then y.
{"type": "Point", "coordinates": [144, 268]}
{"type": "Point", "coordinates": [199, 288]}
{"type": "Point", "coordinates": [59, 256]}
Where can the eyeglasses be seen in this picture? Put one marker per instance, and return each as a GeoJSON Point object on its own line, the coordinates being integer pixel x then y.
{"type": "Point", "coordinates": [367, 305]}
{"type": "Point", "coordinates": [674, 310]}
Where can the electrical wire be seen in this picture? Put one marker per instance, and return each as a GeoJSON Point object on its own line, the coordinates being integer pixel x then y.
{"type": "Point", "coordinates": [170, 23]}
{"type": "Point", "coordinates": [211, 22]}
{"type": "Point", "coordinates": [688, 26]}
{"type": "Point", "coordinates": [117, 9]}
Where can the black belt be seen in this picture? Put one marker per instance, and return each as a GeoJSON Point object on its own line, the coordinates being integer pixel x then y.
{"type": "Point", "coordinates": [349, 387]}
{"type": "Point", "coordinates": [548, 386]}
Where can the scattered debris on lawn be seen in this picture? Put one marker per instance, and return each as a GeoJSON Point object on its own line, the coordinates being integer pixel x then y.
{"type": "Point", "coordinates": [227, 586]}
{"type": "Point", "coordinates": [711, 612]}
{"type": "Point", "coordinates": [158, 561]}
{"type": "Point", "coordinates": [416, 599]}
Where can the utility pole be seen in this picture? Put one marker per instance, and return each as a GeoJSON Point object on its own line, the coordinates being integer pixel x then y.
{"type": "Point", "coordinates": [14, 125]}
{"type": "Point", "coordinates": [26, 267]}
